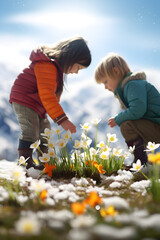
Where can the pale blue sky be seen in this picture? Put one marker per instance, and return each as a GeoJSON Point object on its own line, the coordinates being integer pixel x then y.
{"type": "Point", "coordinates": [128, 27]}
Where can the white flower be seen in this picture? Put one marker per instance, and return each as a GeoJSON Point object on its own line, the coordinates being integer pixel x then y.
{"type": "Point", "coordinates": [75, 152]}
{"type": "Point", "coordinates": [38, 185]}
{"type": "Point", "coordinates": [58, 131]}
{"type": "Point", "coordinates": [66, 135]}
{"type": "Point", "coordinates": [131, 149]}
{"type": "Point", "coordinates": [117, 152]}
{"type": "Point", "coordinates": [95, 121]}
{"type": "Point", "coordinates": [85, 126]}
{"type": "Point", "coordinates": [104, 155]}
{"type": "Point", "coordinates": [136, 166]}
{"type": "Point", "coordinates": [45, 157]}
{"type": "Point", "coordinates": [101, 144]}
{"type": "Point", "coordinates": [86, 143]}
{"type": "Point", "coordinates": [105, 148]}
{"type": "Point", "coordinates": [112, 137]}
{"type": "Point", "coordinates": [18, 174]}
{"type": "Point", "coordinates": [61, 143]}
{"type": "Point", "coordinates": [22, 160]}
{"type": "Point", "coordinates": [152, 146]}
{"type": "Point", "coordinates": [47, 132]}
{"type": "Point", "coordinates": [28, 225]}
{"type": "Point", "coordinates": [77, 144]}
{"type": "Point", "coordinates": [35, 145]}
{"type": "Point", "coordinates": [50, 144]}
{"type": "Point", "coordinates": [51, 153]}
{"type": "Point", "coordinates": [93, 151]}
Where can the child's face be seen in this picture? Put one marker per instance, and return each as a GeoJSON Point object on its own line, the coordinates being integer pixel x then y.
{"type": "Point", "coordinates": [75, 68]}
{"type": "Point", "coordinates": [110, 83]}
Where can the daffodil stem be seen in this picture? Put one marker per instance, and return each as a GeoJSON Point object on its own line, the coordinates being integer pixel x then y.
{"type": "Point", "coordinates": [144, 175]}
{"type": "Point", "coordinates": [96, 138]}
{"type": "Point", "coordinates": [40, 150]}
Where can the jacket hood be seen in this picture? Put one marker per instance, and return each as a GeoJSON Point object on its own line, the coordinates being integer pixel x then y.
{"type": "Point", "coordinates": [38, 55]}
{"type": "Point", "coordinates": [133, 76]}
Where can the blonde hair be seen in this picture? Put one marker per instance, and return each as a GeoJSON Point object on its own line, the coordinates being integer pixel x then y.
{"type": "Point", "coordinates": [68, 52]}
{"type": "Point", "coordinates": [107, 67]}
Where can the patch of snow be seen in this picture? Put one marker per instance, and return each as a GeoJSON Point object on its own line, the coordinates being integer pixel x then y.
{"type": "Point", "coordinates": [117, 202]}
{"type": "Point", "coordinates": [108, 232]}
{"type": "Point", "coordinates": [115, 185]}
{"type": "Point", "coordinates": [141, 186]}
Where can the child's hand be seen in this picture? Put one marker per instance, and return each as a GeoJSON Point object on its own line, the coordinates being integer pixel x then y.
{"type": "Point", "coordinates": [67, 125]}
{"type": "Point", "coordinates": [111, 122]}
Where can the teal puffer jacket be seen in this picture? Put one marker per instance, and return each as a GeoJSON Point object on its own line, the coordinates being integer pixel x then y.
{"type": "Point", "coordinates": [139, 98]}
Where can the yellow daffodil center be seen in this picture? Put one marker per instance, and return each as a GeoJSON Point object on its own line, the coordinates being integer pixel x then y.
{"type": "Point", "coordinates": [111, 139]}
{"type": "Point", "coordinates": [28, 227]}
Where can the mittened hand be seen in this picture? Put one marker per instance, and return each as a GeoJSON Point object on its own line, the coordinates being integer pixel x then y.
{"type": "Point", "coordinates": [68, 125]}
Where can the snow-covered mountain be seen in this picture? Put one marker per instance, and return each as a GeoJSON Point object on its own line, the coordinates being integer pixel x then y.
{"type": "Point", "coordinates": [83, 101]}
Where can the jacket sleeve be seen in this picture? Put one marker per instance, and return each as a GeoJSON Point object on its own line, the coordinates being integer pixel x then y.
{"type": "Point", "coordinates": [135, 95]}
{"type": "Point", "coordinates": [46, 75]}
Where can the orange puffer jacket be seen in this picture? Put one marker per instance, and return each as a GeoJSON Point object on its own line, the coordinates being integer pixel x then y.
{"type": "Point", "coordinates": [36, 87]}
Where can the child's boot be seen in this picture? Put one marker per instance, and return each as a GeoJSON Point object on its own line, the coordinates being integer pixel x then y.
{"type": "Point", "coordinates": [139, 151]}
{"type": "Point", "coordinates": [27, 153]}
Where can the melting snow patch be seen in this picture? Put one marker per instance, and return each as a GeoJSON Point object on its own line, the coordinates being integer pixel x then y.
{"type": "Point", "coordinates": [82, 221]}
{"type": "Point", "coordinates": [141, 186]}
{"type": "Point", "coordinates": [152, 221]}
{"type": "Point", "coordinates": [117, 202]}
{"type": "Point", "coordinates": [34, 173]}
{"type": "Point", "coordinates": [107, 232]}
{"type": "Point", "coordinates": [115, 185]}
{"type": "Point", "coordinates": [79, 182]}
{"type": "Point", "coordinates": [123, 176]}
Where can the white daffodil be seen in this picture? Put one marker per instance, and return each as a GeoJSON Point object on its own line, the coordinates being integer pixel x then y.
{"type": "Point", "coordinates": [35, 145]}
{"type": "Point", "coordinates": [51, 153]}
{"type": "Point", "coordinates": [18, 174]}
{"type": "Point", "coordinates": [58, 131]}
{"type": "Point", "coordinates": [112, 137]}
{"type": "Point", "coordinates": [37, 186]}
{"type": "Point", "coordinates": [77, 144]}
{"type": "Point", "coordinates": [93, 151]}
{"type": "Point", "coordinates": [22, 160]}
{"type": "Point", "coordinates": [28, 226]}
{"type": "Point", "coordinates": [45, 157]}
{"type": "Point", "coordinates": [101, 144]}
{"type": "Point", "coordinates": [75, 152]}
{"type": "Point", "coordinates": [131, 149]}
{"type": "Point", "coordinates": [136, 166]}
{"type": "Point", "coordinates": [105, 148]}
{"type": "Point", "coordinates": [61, 143]}
{"type": "Point", "coordinates": [66, 135]}
{"type": "Point", "coordinates": [95, 121]}
{"type": "Point", "coordinates": [117, 152]}
{"type": "Point", "coordinates": [47, 132]}
{"type": "Point", "coordinates": [152, 146]}
{"type": "Point", "coordinates": [50, 144]}
{"type": "Point", "coordinates": [104, 155]}
{"type": "Point", "coordinates": [85, 126]}
{"type": "Point", "coordinates": [86, 143]}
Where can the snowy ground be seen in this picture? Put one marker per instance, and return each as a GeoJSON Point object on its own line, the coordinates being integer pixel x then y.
{"type": "Point", "coordinates": [131, 223]}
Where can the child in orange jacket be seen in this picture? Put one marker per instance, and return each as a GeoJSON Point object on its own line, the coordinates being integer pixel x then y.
{"type": "Point", "coordinates": [37, 91]}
